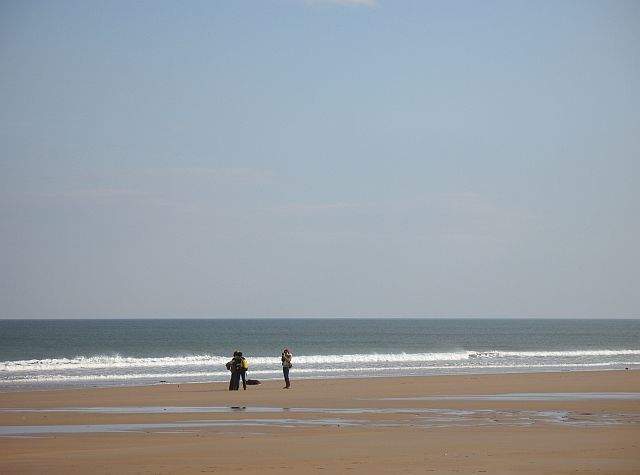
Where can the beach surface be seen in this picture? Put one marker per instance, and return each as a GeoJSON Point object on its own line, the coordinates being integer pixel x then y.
{"type": "Point", "coordinates": [532, 423]}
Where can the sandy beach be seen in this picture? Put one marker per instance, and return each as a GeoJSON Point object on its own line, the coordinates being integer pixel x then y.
{"type": "Point", "coordinates": [538, 423]}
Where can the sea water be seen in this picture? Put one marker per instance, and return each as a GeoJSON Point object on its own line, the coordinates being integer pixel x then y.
{"type": "Point", "coordinates": [45, 354]}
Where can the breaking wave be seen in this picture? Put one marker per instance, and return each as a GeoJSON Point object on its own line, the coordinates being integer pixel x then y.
{"type": "Point", "coordinates": [123, 363]}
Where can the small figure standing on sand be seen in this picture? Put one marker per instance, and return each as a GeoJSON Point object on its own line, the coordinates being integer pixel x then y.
{"type": "Point", "coordinates": [235, 366]}
{"type": "Point", "coordinates": [286, 365]}
{"type": "Point", "coordinates": [244, 365]}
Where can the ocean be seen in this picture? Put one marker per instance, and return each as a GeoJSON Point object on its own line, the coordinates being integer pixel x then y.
{"type": "Point", "coordinates": [51, 354]}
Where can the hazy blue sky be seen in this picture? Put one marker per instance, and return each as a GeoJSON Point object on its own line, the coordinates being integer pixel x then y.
{"type": "Point", "coordinates": [319, 158]}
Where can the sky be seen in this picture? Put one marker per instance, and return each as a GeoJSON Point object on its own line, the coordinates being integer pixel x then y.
{"type": "Point", "coordinates": [319, 158]}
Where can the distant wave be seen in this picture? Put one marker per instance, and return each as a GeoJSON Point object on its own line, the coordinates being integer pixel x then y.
{"type": "Point", "coordinates": [117, 362]}
{"type": "Point", "coordinates": [551, 354]}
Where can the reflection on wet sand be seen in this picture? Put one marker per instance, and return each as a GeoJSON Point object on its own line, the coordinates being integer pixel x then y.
{"type": "Point", "coordinates": [397, 417]}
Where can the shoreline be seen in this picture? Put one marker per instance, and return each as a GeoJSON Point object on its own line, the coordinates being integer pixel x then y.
{"type": "Point", "coordinates": [222, 385]}
{"type": "Point", "coordinates": [497, 371]}
{"type": "Point", "coordinates": [587, 421]}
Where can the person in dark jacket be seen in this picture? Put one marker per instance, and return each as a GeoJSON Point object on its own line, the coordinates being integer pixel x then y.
{"type": "Point", "coordinates": [235, 365]}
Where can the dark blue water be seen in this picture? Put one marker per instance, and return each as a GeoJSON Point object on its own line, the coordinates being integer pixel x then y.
{"type": "Point", "coordinates": [45, 353]}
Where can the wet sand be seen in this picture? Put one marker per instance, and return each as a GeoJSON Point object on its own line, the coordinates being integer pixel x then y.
{"type": "Point", "coordinates": [560, 423]}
